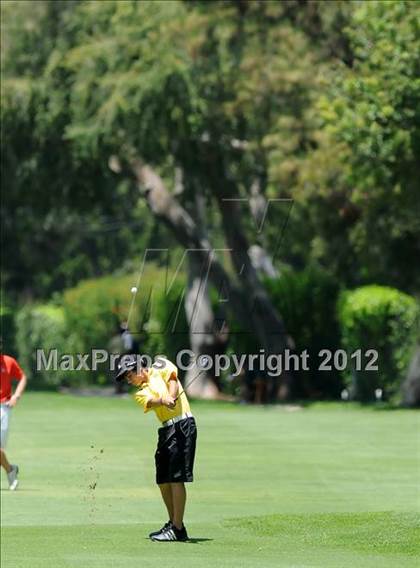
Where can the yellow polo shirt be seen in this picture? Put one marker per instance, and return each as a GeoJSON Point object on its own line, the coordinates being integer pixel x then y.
{"type": "Point", "coordinates": [157, 385]}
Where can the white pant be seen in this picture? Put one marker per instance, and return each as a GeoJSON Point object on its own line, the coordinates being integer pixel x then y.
{"type": "Point", "coordinates": [5, 419]}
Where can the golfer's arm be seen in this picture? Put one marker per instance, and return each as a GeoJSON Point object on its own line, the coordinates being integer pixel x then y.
{"type": "Point", "coordinates": [20, 387]}
{"type": "Point", "coordinates": [153, 402]}
{"type": "Point", "coordinates": [173, 386]}
{"type": "Point", "coordinates": [172, 389]}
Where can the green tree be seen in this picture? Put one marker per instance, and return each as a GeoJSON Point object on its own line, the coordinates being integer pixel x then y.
{"type": "Point", "coordinates": [64, 216]}
{"type": "Point", "coordinates": [359, 186]}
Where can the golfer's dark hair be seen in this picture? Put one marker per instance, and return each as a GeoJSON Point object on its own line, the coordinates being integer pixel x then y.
{"type": "Point", "coordinates": [134, 362]}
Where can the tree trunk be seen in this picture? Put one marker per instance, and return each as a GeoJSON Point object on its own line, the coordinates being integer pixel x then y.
{"type": "Point", "coordinates": [201, 328]}
{"type": "Point", "coordinates": [261, 260]}
{"type": "Point", "coordinates": [411, 386]}
{"type": "Point", "coordinates": [265, 319]}
{"type": "Point", "coordinates": [199, 312]}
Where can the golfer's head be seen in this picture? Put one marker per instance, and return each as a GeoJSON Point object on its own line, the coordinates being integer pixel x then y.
{"type": "Point", "coordinates": [137, 377]}
{"type": "Point", "coordinates": [132, 369]}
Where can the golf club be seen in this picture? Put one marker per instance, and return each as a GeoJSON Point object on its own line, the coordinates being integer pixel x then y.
{"type": "Point", "coordinates": [189, 384]}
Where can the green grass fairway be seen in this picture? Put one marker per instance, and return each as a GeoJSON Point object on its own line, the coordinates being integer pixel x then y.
{"type": "Point", "coordinates": [329, 485]}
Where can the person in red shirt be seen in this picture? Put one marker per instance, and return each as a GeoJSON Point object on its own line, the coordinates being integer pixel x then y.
{"type": "Point", "coordinates": [10, 371]}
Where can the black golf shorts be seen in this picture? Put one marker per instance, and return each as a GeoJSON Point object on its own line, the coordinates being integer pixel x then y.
{"type": "Point", "coordinates": [175, 452]}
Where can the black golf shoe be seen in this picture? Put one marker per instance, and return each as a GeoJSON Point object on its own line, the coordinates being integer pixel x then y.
{"type": "Point", "coordinates": [165, 526]}
{"type": "Point", "coordinates": [171, 534]}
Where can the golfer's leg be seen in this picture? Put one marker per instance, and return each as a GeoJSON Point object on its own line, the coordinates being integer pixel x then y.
{"type": "Point", "coordinates": [165, 489]}
{"type": "Point", "coordinates": [4, 463]}
{"type": "Point", "coordinates": [179, 497]}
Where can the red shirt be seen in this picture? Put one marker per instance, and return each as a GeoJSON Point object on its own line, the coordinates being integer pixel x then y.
{"type": "Point", "coordinates": [9, 370]}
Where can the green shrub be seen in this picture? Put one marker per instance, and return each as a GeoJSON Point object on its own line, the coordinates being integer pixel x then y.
{"type": "Point", "coordinates": [42, 327]}
{"type": "Point", "coordinates": [94, 308]}
{"type": "Point", "coordinates": [88, 318]}
{"type": "Point", "coordinates": [383, 319]}
{"type": "Point", "coordinates": [306, 301]}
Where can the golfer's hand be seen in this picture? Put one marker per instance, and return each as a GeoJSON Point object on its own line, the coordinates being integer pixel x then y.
{"type": "Point", "coordinates": [169, 401]}
{"type": "Point", "coordinates": [13, 401]}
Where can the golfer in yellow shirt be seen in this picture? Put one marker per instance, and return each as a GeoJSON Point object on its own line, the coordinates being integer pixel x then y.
{"type": "Point", "coordinates": [159, 389]}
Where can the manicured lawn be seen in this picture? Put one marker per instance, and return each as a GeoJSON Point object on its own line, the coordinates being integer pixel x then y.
{"type": "Point", "coordinates": [328, 485]}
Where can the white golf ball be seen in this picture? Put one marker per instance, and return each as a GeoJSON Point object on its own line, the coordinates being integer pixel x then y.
{"type": "Point", "coordinates": [134, 289]}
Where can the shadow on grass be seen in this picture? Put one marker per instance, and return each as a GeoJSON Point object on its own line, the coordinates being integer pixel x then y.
{"type": "Point", "coordinates": [193, 540]}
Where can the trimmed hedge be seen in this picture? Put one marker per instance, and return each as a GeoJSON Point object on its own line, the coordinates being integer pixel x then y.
{"type": "Point", "coordinates": [383, 319]}
{"type": "Point", "coordinates": [88, 318]}
{"type": "Point", "coordinates": [43, 327]}
{"type": "Point", "coordinates": [94, 308]}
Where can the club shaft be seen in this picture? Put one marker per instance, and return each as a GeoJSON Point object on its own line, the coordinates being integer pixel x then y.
{"type": "Point", "coordinates": [189, 384]}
